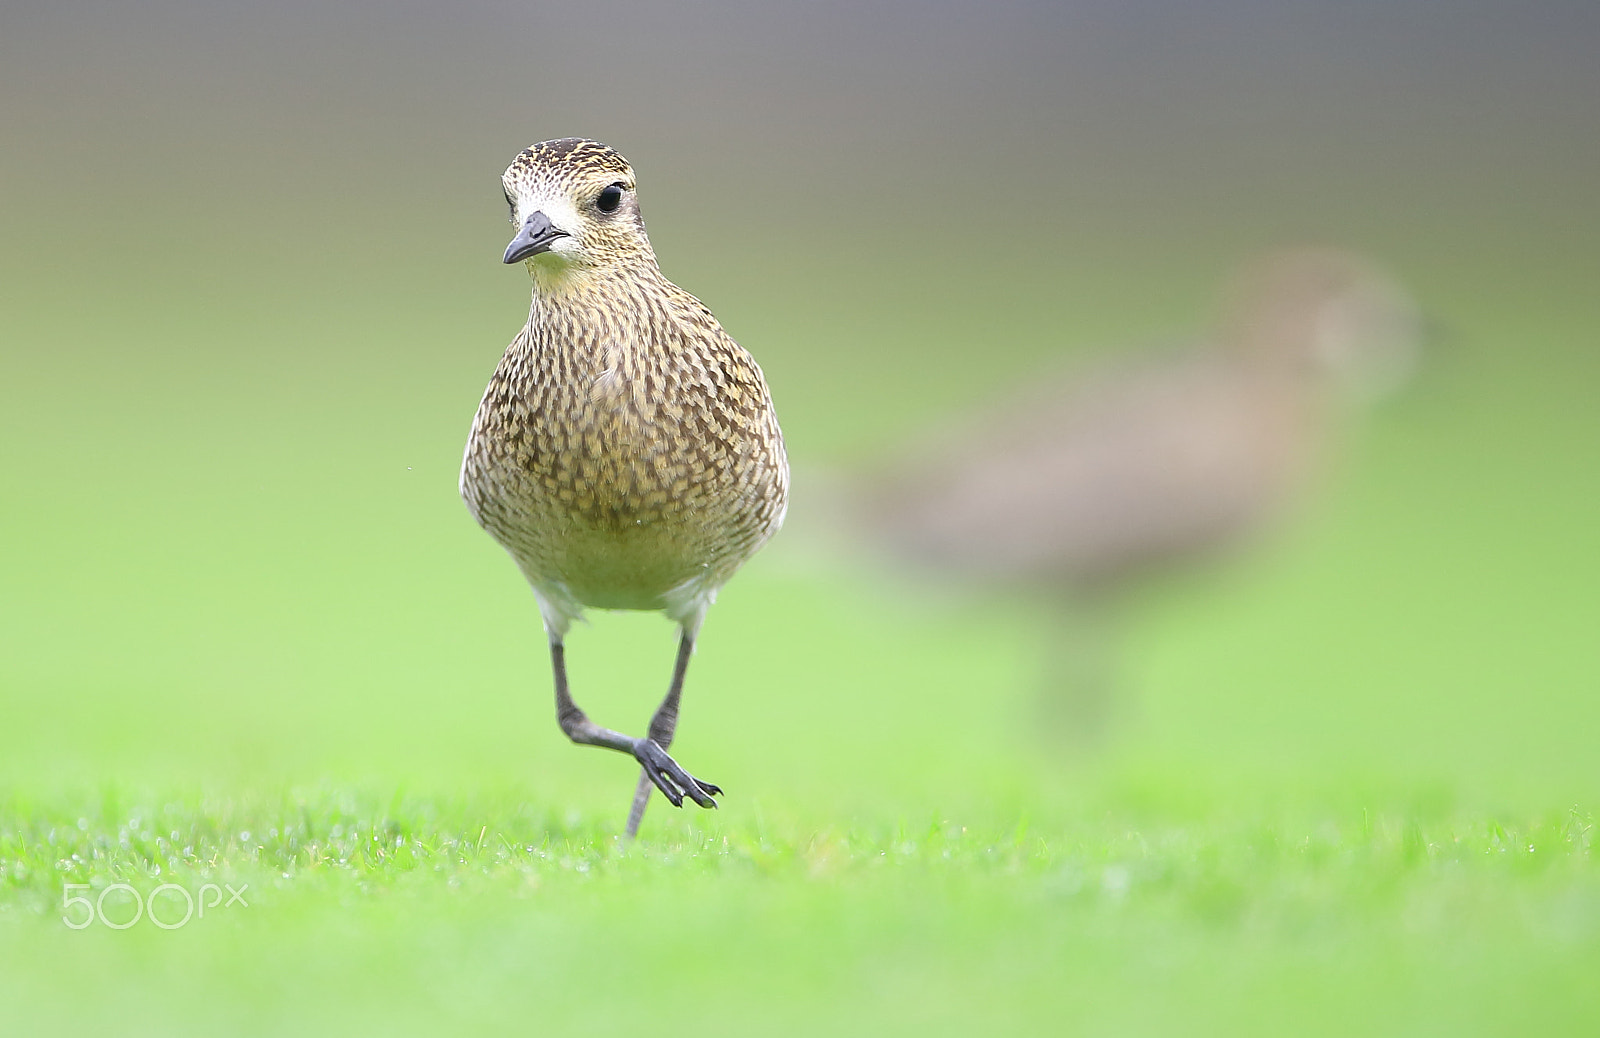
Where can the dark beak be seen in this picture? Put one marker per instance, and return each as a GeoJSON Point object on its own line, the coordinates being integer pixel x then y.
{"type": "Point", "coordinates": [535, 237]}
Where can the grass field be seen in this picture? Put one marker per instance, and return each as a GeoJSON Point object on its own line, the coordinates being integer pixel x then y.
{"type": "Point", "coordinates": [249, 637]}
{"type": "Point", "coordinates": [1117, 915]}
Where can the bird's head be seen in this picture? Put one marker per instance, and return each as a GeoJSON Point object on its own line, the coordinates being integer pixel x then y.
{"type": "Point", "coordinates": [1326, 315]}
{"type": "Point", "coordinates": [574, 209]}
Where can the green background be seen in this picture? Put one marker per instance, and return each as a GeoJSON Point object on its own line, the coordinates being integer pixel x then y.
{"type": "Point", "coordinates": [250, 293]}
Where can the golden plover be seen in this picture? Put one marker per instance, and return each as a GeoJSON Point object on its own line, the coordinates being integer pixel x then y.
{"type": "Point", "coordinates": [1079, 483]}
{"type": "Point", "coordinates": [626, 453]}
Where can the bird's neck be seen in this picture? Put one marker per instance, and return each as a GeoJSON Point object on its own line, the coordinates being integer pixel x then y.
{"type": "Point", "coordinates": [570, 302]}
{"type": "Point", "coordinates": [557, 281]}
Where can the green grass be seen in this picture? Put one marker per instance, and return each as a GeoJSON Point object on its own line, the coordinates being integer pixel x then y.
{"type": "Point", "coordinates": [1118, 913]}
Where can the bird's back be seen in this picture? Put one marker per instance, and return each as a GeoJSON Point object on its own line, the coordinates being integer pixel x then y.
{"type": "Point", "coordinates": [1082, 481]}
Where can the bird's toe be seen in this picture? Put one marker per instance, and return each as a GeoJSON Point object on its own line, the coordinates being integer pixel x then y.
{"type": "Point", "coordinates": [670, 777]}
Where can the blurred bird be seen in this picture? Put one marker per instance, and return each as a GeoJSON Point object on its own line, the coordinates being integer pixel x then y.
{"type": "Point", "coordinates": [1079, 483]}
{"type": "Point", "coordinates": [626, 453]}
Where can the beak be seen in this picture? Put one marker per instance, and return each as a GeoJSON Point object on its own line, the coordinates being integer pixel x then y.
{"type": "Point", "coordinates": [535, 237]}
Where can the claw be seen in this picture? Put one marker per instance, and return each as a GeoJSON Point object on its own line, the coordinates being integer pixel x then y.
{"type": "Point", "coordinates": [669, 776]}
{"type": "Point", "coordinates": [662, 782]}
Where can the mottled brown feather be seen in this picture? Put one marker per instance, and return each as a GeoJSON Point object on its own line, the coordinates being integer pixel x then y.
{"type": "Point", "coordinates": [626, 452]}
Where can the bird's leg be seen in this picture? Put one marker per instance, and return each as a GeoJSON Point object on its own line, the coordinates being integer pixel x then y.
{"type": "Point", "coordinates": [1078, 694]}
{"type": "Point", "coordinates": [668, 775]}
{"type": "Point", "coordinates": [662, 725]}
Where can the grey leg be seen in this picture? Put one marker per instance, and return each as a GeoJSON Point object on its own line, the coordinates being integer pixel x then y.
{"type": "Point", "coordinates": [662, 726]}
{"type": "Point", "coordinates": [667, 774]}
{"type": "Point", "coordinates": [1078, 698]}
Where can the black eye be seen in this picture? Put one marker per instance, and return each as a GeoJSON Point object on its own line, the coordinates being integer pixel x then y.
{"type": "Point", "coordinates": [609, 199]}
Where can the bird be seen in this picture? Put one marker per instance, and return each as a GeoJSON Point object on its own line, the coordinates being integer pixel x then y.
{"type": "Point", "coordinates": [1079, 484]}
{"type": "Point", "coordinates": [625, 453]}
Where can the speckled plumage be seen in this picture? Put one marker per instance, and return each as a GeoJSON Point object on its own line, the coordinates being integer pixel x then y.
{"type": "Point", "coordinates": [626, 452]}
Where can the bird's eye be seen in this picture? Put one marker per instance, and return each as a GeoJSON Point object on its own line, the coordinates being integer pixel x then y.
{"type": "Point", "coordinates": [609, 199]}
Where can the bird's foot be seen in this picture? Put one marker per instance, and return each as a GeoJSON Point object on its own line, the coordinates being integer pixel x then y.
{"type": "Point", "coordinates": [669, 776]}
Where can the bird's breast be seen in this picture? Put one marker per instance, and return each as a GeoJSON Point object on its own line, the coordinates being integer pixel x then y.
{"type": "Point", "coordinates": [600, 438]}
{"type": "Point", "coordinates": [623, 462]}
